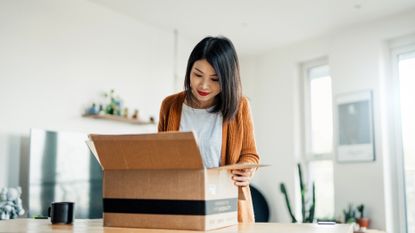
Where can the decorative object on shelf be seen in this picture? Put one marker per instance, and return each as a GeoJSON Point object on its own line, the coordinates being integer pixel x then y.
{"type": "Point", "coordinates": [349, 214]}
{"type": "Point", "coordinates": [350, 217]}
{"type": "Point", "coordinates": [135, 114]}
{"type": "Point", "coordinates": [113, 109]}
{"type": "Point", "coordinates": [354, 126]}
{"type": "Point", "coordinates": [125, 113]}
{"type": "Point", "coordinates": [307, 215]}
{"type": "Point", "coordinates": [101, 109]}
{"type": "Point", "coordinates": [93, 110]}
{"type": "Point", "coordinates": [11, 203]}
{"type": "Point", "coordinates": [114, 103]}
{"type": "Point", "coordinates": [362, 220]}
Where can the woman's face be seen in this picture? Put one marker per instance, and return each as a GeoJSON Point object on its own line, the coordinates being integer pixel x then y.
{"type": "Point", "coordinates": [204, 83]}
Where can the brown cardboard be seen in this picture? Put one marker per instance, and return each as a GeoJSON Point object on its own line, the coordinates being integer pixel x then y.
{"type": "Point", "coordinates": [147, 151]}
{"type": "Point", "coordinates": [159, 181]}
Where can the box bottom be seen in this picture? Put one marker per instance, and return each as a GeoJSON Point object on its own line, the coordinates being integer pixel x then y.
{"type": "Point", "coordinates": [178, 222]}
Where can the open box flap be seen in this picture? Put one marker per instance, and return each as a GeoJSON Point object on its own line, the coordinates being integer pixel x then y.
{"type": "Point", "coordinates": [166, 150]}
{"type": "Point", "coordinates": [91, 147]}
{"type": "Point", "coordinates": [241, 194]}
{"type": "Point", "coordinates": [241, 166]}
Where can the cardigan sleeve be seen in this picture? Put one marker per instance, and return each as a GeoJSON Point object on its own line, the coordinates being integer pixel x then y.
{"type": "Point", "coordinates": [249, 153]}
{"type": "Point", "coordinates": [170, 110]}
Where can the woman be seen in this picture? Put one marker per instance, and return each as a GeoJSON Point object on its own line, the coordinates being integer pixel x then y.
{"type": "Point", "coordinates": [213, 107]}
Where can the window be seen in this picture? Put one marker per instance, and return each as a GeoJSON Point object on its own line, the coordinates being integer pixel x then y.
{"type": "Point", "coordinates": [406, 73]}
{"type": "Point", "coordinates": [318, 135]}
{"type": "Point", "coordinates": [321, 111]}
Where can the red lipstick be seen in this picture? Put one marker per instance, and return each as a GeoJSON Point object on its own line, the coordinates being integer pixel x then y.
{"type": "Point", "coordinates": [202, 93]}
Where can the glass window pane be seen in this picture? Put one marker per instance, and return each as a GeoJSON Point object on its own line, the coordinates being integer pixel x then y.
{"type": "Point", "coordinates": [321, 172]}
{"type": "Point", "coordinates": [321, 111]}
{"type": "Point", "coordinates": [407, 97]}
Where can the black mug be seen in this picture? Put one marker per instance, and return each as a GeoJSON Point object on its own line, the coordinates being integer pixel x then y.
{"type": "Point", "coordinates": [61, 212]}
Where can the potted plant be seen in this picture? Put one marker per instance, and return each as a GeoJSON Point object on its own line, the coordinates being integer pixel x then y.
{"type": "Point", "coordinates": [349, 214]}
{"type": "Point", "coordinates": [350, 217]}
{"type": "Point", "coordinates": [307, 213]}
{"type": "Point", "coordinates": [362, 220]}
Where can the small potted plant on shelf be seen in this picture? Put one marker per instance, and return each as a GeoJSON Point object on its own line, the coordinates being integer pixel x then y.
{"type": "Point", "coordinates": [349, 214]}
{"type": "Point", "coordinates": [350, 217]}
{"type": "Point", "coordinates": [362, 220]}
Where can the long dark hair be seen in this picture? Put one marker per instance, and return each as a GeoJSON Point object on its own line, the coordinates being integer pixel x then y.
{"type": "Point", "coordinates": [221, 55]}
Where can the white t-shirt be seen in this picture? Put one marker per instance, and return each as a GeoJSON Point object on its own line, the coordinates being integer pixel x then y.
{"type": "Point", "coordinates": [208, 129]}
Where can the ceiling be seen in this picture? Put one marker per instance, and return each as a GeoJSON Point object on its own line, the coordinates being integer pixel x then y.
{"type": "Point", "coordinates": [256, 25]}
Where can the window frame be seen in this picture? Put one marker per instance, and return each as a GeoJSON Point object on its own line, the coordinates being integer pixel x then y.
{"type": "Point", "coordinates": [306, 110]}
{"type": "Point", "coordinates": [305, 118]}
{"type": "Point", "coordinates": [397, 48]}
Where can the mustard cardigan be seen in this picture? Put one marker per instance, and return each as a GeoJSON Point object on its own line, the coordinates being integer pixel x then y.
{"type": "Point", "coordinates": [238, 142]}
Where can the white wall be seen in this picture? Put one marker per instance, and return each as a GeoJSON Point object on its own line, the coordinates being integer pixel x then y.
{"type": "Point", "coordinates": [271, 83]}
{"type": "Point", "coordinates": [357, 59]}
{"type": "Point", "coordinates": [56, 57]}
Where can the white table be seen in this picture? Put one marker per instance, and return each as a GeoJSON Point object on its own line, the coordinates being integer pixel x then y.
{"type": "Point", "coordinates": [96, 226]}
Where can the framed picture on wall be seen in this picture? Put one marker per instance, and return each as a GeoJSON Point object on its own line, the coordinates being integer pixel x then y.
{"type": "Point", "coordinates": [354, 127]}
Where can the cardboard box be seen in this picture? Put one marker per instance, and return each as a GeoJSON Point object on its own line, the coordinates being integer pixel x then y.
{"type": "Point", "coordinates": [159, 181]}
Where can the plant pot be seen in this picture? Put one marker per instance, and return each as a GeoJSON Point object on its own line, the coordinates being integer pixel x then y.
{"type": "Point", "coordinates": [363, 223]}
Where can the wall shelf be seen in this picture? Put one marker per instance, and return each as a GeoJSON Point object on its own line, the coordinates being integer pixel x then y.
{"type": "Point", "coordinates": [119, 119]}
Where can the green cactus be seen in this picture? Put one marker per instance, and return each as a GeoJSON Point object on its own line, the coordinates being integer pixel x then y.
{"type": "Point", "coordinates": [311, 212]}
{"type": "Point", "coordinates": [302, 189]}
{"type": "Point", "coordinates": [308, 215]}
{"type": "Point", "coordinates": [349, 214]}
{"type": "Point", "coordinates": [361, 208]}
{"type": "Point", "coordinates": [284, 191]}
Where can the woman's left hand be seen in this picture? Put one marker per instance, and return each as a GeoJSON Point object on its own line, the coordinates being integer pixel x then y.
{"type": "Point", "coordinates": [242, 177]}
